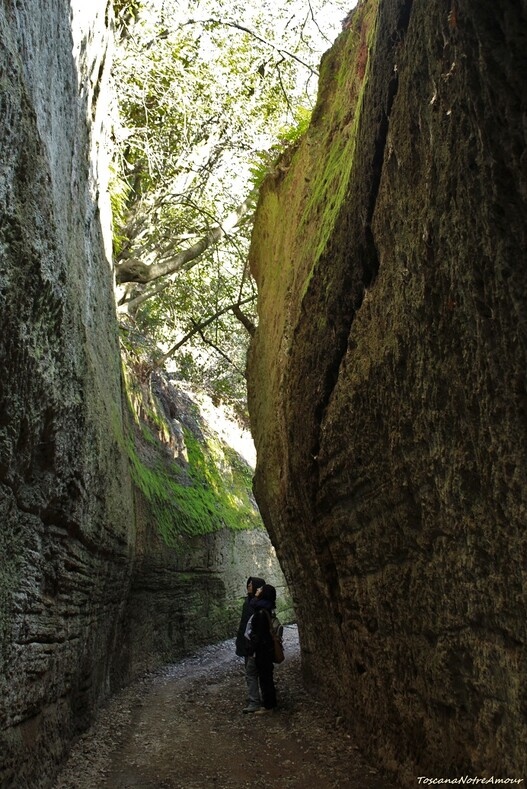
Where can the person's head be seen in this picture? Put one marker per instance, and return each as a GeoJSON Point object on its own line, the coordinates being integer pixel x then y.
{"type": "Point", "coordinates": [267, 592]}
{"type": "Point", "coordinates": [254, 583]}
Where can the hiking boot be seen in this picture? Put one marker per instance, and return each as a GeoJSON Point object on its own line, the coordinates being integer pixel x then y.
{"type": "Point", "coordinates": [263, 710]}
{"type": "Point", "coordinates": [252, 708]}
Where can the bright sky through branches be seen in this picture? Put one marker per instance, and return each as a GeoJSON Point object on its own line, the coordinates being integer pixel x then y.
{"type": "Point", "coordinates": [210, 92]}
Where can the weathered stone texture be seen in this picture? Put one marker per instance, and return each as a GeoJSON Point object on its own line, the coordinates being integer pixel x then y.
{"type": "Point", "coordinates": [65, 493]}
{"type": "Point", "coordinates": [388, 388]}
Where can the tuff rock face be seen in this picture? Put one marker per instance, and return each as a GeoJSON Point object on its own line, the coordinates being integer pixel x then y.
{"type": "Point", "coordinates": [65, 493]}
{"type": "Point", "coordinates": [388, 389]}
{"type": "Point", "coordinates": [90, 593]}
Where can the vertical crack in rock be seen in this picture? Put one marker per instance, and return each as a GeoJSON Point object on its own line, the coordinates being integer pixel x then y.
{"type": "Point", "coordinates": [355, 257]}
{"type": "Point", "coordinates": [403, 536]}
{"type": "Point", "coordinates": [397, 39]}
{"type": "Point", "coordinates": [370, 258]}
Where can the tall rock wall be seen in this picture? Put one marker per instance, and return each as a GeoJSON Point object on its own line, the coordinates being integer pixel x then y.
{"type": "Point", "coordinates": [65, 493]}
{"type": "Point", "coordinates": [388, 389]}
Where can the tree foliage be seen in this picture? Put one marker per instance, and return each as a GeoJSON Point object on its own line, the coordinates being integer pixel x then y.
{"type": "Point", "coordinates": [208, 93]}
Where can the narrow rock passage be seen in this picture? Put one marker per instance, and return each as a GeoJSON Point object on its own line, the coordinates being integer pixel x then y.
{"type": "Point", "coordinates": [182, 727]}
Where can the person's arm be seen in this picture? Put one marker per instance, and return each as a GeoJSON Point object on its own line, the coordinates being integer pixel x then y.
{"type": "Point", "coordinates": [241, 643]}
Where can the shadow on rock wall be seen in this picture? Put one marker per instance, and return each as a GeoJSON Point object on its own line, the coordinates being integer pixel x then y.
{"type": "Point", "coordinates": [387, 383]}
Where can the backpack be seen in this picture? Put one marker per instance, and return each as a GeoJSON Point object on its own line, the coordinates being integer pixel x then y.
{"type": "Point", "coordinates": [277, 634]}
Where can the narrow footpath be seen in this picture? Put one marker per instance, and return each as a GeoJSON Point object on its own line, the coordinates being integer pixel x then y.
{"type": "Point", "coordinates": [182, 727]}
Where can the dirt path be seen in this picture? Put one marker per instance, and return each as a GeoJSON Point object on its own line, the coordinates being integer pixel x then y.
{"type": "Point", "coordinates": [183, 728]}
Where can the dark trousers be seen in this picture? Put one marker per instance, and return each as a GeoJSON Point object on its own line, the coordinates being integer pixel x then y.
{"type": "Point", "coordinates": [265, 667]}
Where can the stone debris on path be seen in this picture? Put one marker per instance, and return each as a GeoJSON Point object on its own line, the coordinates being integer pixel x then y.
{"type": "Point", "coordinates": [182, 727]}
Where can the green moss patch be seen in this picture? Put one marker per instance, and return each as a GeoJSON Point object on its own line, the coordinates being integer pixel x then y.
{"type": "Point", "coordinates": [193, 482]}
{"type": "Point", "coordinates": [212, 493]}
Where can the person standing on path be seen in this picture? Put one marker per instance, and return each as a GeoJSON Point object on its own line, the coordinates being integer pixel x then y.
{"type": "Point", "coordinates": [243, 649]}
{"type": "Point", "coordinates": [261, 643]}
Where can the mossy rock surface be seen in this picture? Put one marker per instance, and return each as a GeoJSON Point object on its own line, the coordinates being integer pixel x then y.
{"type": "Point", "coordinates": [194, 482]}
{"type": "Point", "coordinates": [387, 383]}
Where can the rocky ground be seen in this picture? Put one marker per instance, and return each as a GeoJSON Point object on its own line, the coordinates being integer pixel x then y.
{"type": "Point", "coordinates": [182, 727]}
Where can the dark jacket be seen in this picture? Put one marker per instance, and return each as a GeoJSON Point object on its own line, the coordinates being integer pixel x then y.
{"type": "Point", "coordinates": [241, 643]}
{"type": "Point", "coordinates": [261, 642]}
